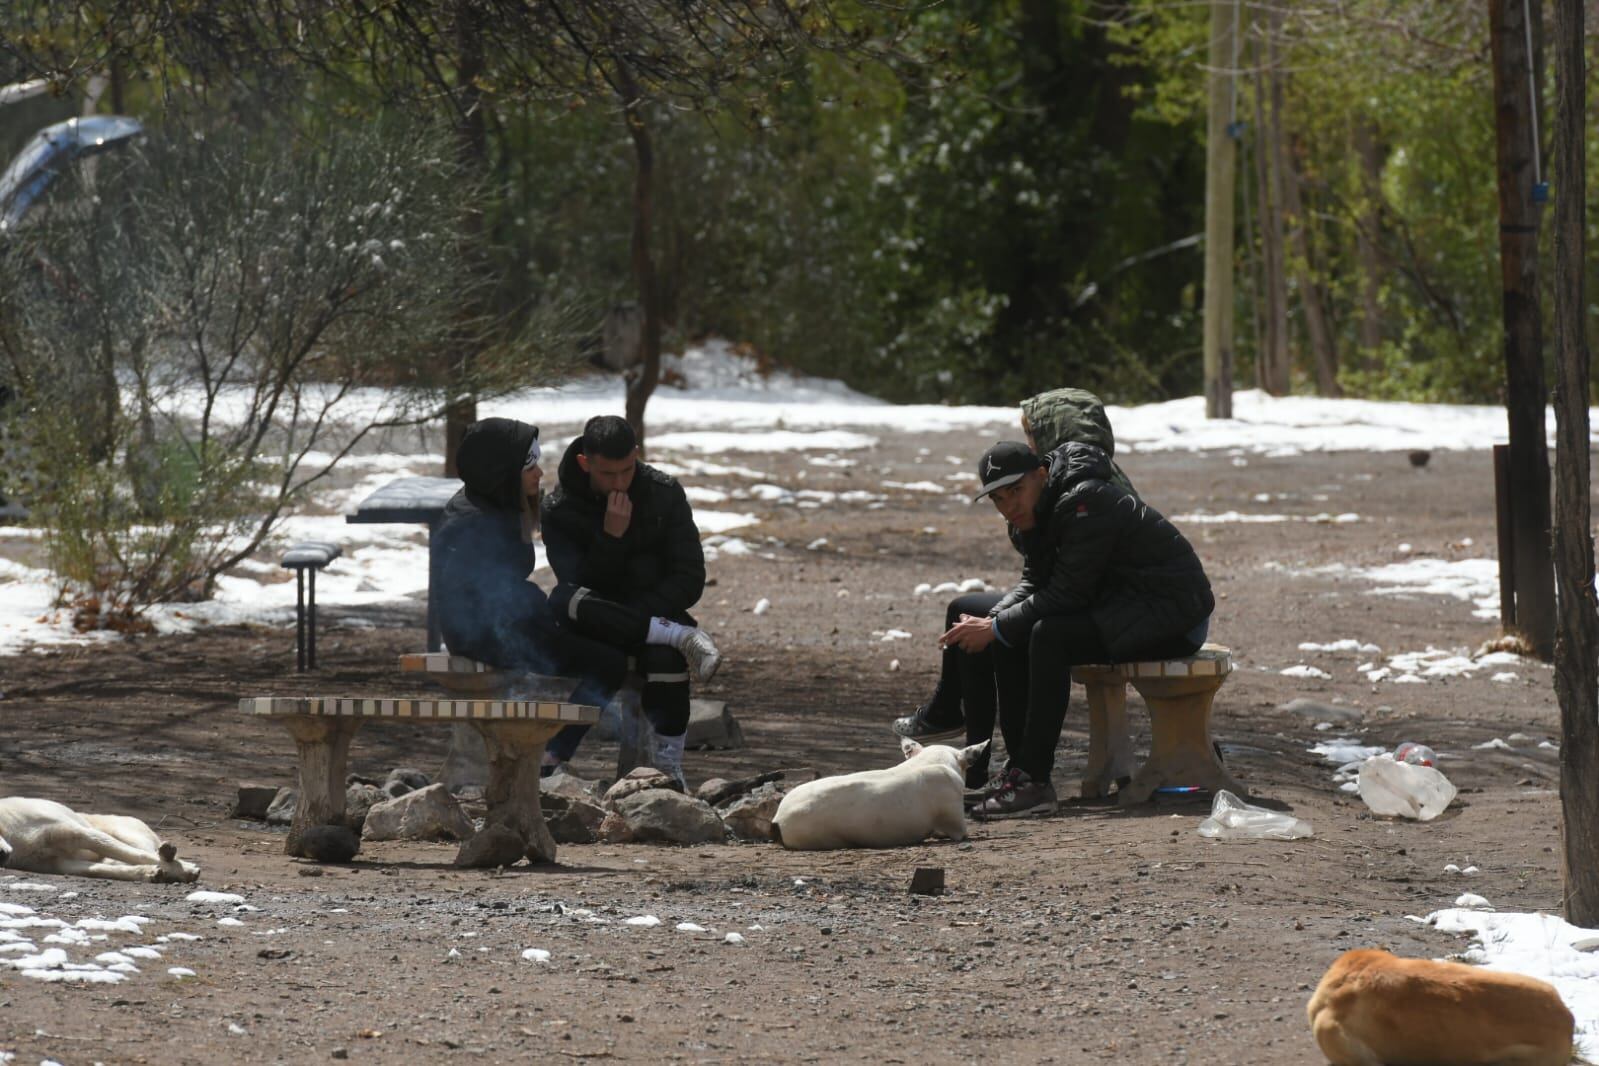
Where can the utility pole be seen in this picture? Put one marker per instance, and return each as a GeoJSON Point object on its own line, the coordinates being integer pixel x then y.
{"type": "Point", "coordinates": [1516, 32]}
{"type": "Point", "coordinates": [1221, 155]}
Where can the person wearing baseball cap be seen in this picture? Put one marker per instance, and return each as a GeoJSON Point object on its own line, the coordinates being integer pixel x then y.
{"type": "Point", "coordinates": [1105, 578]}
{"type": "Point", "coordinates": [963, 701]}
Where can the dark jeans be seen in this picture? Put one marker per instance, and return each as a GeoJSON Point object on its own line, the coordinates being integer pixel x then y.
{"type": "Point", "coordinates": [599, 641]}
{"type": "Point", "coordinates": [1034, 683]}
{"type": "Point", "coordinates": [965, 688]}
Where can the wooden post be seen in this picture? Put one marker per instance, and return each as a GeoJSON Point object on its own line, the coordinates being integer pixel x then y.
{"type": "Point", "coordinates": [1515, 68]}
{"type": "Point", "coordinates": [1221, 153]}
{"type": "Point", "coordinates": [1272, 363]}
{"type": "Point", "coordinates": [1507, 537]}
{"type": "Point", "coordinates": [1577, 646]}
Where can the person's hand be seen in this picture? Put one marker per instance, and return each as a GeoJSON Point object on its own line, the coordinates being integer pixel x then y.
{"type": "Point", "coordinates": [618, 514]}
{"type": "Point", "coordinates": [971, 634]}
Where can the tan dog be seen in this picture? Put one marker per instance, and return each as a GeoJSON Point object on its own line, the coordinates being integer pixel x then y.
{"type": "Point", "coordinates": [1376, 1009]}
{"type": "Point", "coordinates": [45, 837]}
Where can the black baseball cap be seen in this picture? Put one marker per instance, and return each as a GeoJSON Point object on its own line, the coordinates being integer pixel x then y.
{"type": "Point", "coordinates": [1005, 464]}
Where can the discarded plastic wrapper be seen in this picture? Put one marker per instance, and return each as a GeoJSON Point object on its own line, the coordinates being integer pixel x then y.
{"type": "Point", "coordinates": [1233, 819]}
{"type": "Point", "coordinates": [1404, 790]}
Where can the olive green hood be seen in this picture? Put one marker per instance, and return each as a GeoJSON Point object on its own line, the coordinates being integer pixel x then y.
{"type": "Point", "coordinates": [1061, 415]}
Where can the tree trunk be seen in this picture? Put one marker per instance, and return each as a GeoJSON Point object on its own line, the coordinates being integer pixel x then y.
{"type": "Point", "coordinates": [472, 148]}
{"type": "Point", "coordinates": [1367, 229]}
{"type": "Point", "coordinates": [1221, 152]}
{"type": "Point", "coordinates": [1310, 294]}
{"type": "Point", "coordinates": [1516, 115]}
{"type": "Point", "coordinates": [1577, 643]}
{"type": "Point", "coordinates": [1273, 364]}
{"type": "Point", "coordinates": [640, 388]}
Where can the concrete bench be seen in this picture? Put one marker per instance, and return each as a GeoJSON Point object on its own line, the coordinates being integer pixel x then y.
{"type": "Point", "coordinates": [635, 738]}
{"type": "Point", "coordinates": [514, 733]}
{"type": "Point", "coordinates": [457, 673]}
{"type": "Point", "coordinates": [466, 759]}
{"type": "Point", "coordinates": [307, 557]}
{"type": "Point", "coordinates": [1178, 693]}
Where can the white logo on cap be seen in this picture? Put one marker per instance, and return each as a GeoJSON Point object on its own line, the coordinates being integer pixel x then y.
{"type": "Point", "coordinates": [993, 469]}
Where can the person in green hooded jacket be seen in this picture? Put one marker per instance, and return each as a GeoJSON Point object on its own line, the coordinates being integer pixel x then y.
{"type": "Point", "coordinates": [964, 700]}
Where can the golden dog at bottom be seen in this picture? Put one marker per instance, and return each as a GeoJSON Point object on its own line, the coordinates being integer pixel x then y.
{"type": "Point", "coordinates": [1373, 1008]}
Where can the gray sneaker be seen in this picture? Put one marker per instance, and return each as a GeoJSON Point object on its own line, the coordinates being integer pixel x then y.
{"type": "Point", "coordinates": [701, 653]}
{"type": "Point", "coordinates": [1018, 796]}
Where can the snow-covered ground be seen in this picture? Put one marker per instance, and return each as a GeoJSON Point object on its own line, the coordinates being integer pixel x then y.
{"type": "Point", "coordinates": [727, 413]}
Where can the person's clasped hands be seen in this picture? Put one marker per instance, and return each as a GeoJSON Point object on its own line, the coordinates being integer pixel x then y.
{"type": "Point", "coordinates": [970, 634]}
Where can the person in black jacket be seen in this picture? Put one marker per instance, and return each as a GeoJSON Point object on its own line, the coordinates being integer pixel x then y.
{"type": "Point", "coordinates": [964, 701]}
{"type": "Point", "coordinates": [489, 607]}
{"type": "Point", "coordinates": [618, 529]}
{"type": "Point", "coordinates": [1105, 578]}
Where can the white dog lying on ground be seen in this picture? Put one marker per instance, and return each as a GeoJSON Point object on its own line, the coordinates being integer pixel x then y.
{"type": "Point", "coordinates": [903, 804]}
{"type": "Point", "coordinates": [45, 837]}
{"type": "Point", "coordinates": [1373, 1008]}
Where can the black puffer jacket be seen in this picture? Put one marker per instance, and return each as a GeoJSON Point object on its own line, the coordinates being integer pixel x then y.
{"type": "Point", "coordinates": [1100, 549]}
{"type": "Point", "coordinates": [488, 609]}
{"type": "Point", "coordinates": [657, 566]}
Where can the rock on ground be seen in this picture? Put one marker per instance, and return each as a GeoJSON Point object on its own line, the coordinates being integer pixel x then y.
{"type": "Point", "coordinates": [427, 814]}
{"type": "Point", "coordinates": [662, 816]}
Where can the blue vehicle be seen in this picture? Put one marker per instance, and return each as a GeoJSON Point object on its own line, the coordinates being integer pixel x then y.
{"type": "Point", "coordinates": [52, 150]}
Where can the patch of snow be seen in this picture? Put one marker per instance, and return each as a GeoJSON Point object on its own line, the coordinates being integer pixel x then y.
{"type": "Point", "coordinates": [1305, 671]}
{"type": "Point", "coordinates": [1537, 945]}
{"type": "Point", "coordinates": [1342, 645]}
{"type": "Point", "coordinates": [203, 896]}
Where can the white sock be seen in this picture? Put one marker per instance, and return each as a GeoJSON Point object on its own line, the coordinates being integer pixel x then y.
{"type": "Point", "coordinates": [667, 632]}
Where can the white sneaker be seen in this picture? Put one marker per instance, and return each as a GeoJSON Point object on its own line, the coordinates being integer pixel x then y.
{"type": "Point", "coordinates": [701, 653]}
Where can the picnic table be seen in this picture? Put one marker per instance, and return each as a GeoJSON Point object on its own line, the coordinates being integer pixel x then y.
{"type": "Point", "coordinates": [412, 499]}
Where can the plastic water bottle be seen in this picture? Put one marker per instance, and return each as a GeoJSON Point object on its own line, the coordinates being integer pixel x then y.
{"type": "Point", "coordinates": [1415, 754]}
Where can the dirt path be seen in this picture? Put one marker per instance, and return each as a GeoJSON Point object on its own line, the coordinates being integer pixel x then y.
{"type": "Point", "coordinates": [1099, 932]}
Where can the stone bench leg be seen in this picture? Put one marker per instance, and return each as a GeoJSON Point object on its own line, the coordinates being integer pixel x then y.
{"type": "Point", "coordinates": [1180, 750]}
{"type": "Point", "coordinates": [514, 827]}
{"type": "Point", "coordinates": [324, 745]}
{"type": "Point", "coordinates": [1110, 748]}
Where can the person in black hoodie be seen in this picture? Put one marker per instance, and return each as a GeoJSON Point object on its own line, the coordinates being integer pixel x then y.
{"type": "Point", "coordinates": [489, 607]}
{"type": "Point", "coordinates": [619, 529]}
{"type": "Point", "coordinates": [1105, 578]}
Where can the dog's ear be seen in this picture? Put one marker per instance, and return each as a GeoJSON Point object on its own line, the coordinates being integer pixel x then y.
{"type": "Point", "coordinates": [973, 753]}
{"type": "Point", "coordinates": [909, 747]}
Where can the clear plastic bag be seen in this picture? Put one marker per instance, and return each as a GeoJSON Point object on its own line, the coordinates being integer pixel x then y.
{"type": "Point", "coordinates": [1404, 790]}
{"type": "Point", "coordinates": [1233, 819]}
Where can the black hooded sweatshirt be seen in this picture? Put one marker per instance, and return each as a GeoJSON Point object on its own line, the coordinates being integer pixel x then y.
{"type": "Point", "coordinates": [657, 566]}
{"type": "Point", "coordinates": [488, 608]}
{"type": "Point", "coordinates": [1097, 548]}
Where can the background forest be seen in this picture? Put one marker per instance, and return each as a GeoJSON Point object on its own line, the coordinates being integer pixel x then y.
{"type": "Point", "coordinates": [972, 201]}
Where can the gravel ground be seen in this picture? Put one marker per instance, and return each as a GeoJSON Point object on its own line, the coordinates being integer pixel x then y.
{"type": "Point", "coordinates": [1097, 932]}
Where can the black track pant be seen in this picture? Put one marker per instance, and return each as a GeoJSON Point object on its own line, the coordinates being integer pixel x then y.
{"type": "Point", "coordinates": [965, 688]}
{"type": "Point", "coordinates": [1034, 682]}
{"type": "Point", "coordinates": [601, 639]}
